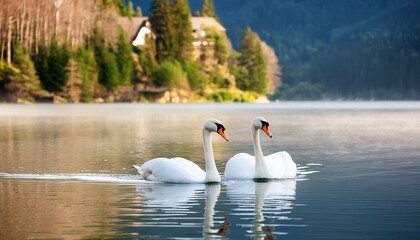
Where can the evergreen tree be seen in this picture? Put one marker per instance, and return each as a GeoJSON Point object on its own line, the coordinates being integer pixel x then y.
{"type": "Point", "coordinates": [183, 30]}
{"type": "Point", "coordinates": [130, 9]}
{"type": "Point", "coordinates": [51, 66]}
{"type": "Point", "coordinates": [252, 59]}
{"type": "Point", "coordinates": [20, 82]}
{"type": "Point", "coordinates": [58, 58]}
{"type": "Point", "coordinates": [208, 10]}
{"type": "Point", "coordinates": [161, 21]}
{"type": "Point", "coordinates": [41, 64]}
{"type": "Point", "coordinates": [88, 72]}
{"type": "Point", "coordinates": [109, 75]}
{"type": "Point", "coordinates": [139, 12]}
{"type": "Point", "coordinates": [124, 59]}
{"type": "Point", "coordinates": [147, 58]}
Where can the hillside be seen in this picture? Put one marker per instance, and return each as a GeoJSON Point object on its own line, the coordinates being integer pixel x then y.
{"type": "Point", "coordinates": [83, 51]}
{"type": "Point", "coordinates": [333, 49]}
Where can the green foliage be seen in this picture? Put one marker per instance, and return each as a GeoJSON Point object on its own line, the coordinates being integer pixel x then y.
{"type": "Point", "coordinates": [109, 75]}
{"type": "Point", "coordinates": [220, 43]}
{"type": "Point", "coordinates": [208, 10]}
{"type": "Point", "coordinates": [51, 66]}
{"type": "Point", "coordinates": [122, 9]}
{"type": "Point", "coordinates": [19, 81]}
{"type": "Point", "coordinates": [373, 68]}
{"type": "Point", "coordinates": [218, 79]}
{"type": "Point", "coordinates": [196, 79]}
{"type": "Point", "coordinates": [253, 70]}
{"type": "Point", "coordinates": [161, 21]}
{"type": "Point", "coordinates": [224, 95]}
{"type": "Point", "coordinates": [170, 75]}
{"type": "Point", "coordinates": [124, 59]}
{"type": "Point", "coordinates": [130, 9]}
{"type": "Point", "coordinates": [88, 72]}
{"type": "Point", "coordinates": [147, 60]}
{"type": "Point", "coordinates": [182, 24]}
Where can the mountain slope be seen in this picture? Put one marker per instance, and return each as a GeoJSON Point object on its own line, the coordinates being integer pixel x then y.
{"type": "Point", "coordinates": [346, 49]}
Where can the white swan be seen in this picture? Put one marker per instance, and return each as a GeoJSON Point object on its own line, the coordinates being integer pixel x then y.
{"type": "Point", "coordinates": [275, 166]}
{"type": "Point", "coordinates": [181, 170]}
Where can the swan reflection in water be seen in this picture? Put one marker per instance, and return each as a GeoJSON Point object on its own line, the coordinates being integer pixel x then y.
{"type": "Point", "coordinates": [180, 205]}
{"type": "Point", "coordinates": [240, 205]}
{"type": "Point", "coordinates": [253, 200]}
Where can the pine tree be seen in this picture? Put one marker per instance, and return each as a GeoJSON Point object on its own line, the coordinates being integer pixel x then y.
{"type": "Point", "coordinates": [130, 9]}
{"type": "Point", "coordinates": [139, 12]}
{"type": "Point", "coordinates": [147, 57]}
{"type": "Point", "coordinates": [182, 25]}
{"type": "Point", "coordinates": [124, 59]}
{"type": "Point", "coordinates": [161, 21]}
{"type": "Point", "coordinates": [108, 75]}
{"type": "Point", "coordinates": [252, 60]}
{"type": "Point", "coordinates": [58, 58]}
{"type": "Point", "coordinates": [20, 81]}
{"type": "Point", "coordinates": [87, 69]}
{"type": "Point", "coordinates": [208, 10]}
{"type": "Point", "coordinates": [51, 66]}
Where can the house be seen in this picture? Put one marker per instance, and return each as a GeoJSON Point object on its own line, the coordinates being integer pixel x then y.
{"type": "Point", "coordinates": [139, 28]}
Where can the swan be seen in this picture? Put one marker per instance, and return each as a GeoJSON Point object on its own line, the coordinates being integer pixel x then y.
{"type": "Point", "coordinates": [181, 170]}
{"type": "Point", "coordinates": [275, 166]}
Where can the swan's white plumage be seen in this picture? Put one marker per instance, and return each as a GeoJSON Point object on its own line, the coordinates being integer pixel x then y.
{"type": "Point", "coordinates": [242, 166]}
{"type": "Point", "coordinates": [275, 166]}
{"type": "Point", "coordinates": [175, 170]}
{"type": "Point", "coordinates": [181, 170]}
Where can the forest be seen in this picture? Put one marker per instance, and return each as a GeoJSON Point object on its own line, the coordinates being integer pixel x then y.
{"type": "Point", "coordinates": [80, 51]}
{"type": "Point", "coordinates": [77, 51]}
{"type": "Point", "coordinates": [333, 49]}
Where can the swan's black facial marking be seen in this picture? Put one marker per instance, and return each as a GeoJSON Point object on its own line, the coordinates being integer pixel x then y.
{"type": "Point", "coordinates": [220, 126]}
{"type": "Point", "coordinates": [264, 127]}
{"type": "Point", "coordinates": [221, 131]}
{"type": "Point", "coordinates": [265, 124]}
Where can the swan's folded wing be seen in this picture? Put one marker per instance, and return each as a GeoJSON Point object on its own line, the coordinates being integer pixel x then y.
{"type": "Point", "coordinates": [174, 170]}
{"type": "Point", "coordinates": [240, 166]}
{"type": "Point", "coordinates": [281, 165]}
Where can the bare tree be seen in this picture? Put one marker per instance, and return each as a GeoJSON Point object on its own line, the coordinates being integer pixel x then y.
{"type": "Point", "coordinates": [9, 41]}
{"type": "Point", "coordinates": [273, 67]}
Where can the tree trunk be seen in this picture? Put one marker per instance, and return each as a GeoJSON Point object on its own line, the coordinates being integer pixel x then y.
{"type": "Point", "coordinates": [9, 41]}
{"type": "Point", "coordinates": [1, 38]}
{"type": "Point", "coordinates": [37, 30]}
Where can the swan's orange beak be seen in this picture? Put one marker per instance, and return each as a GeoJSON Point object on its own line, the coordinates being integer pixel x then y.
{"type": "Point", "coordinates": [223, 134]}
{"type": "Point", "coordinates": [265, 129]}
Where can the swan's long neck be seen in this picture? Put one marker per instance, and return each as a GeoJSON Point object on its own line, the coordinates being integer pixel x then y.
{"type": "Point", "coordinates": [261, 167]}
{"type": "Point", "coordinates": [212, 175]}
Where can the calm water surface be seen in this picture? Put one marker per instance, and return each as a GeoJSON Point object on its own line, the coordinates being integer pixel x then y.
{"type": "Point", "coordinates": [66, 172]}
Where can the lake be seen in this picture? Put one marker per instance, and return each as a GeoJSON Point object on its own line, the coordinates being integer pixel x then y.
{"type": "Point", "coordinates": [66, 172]}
